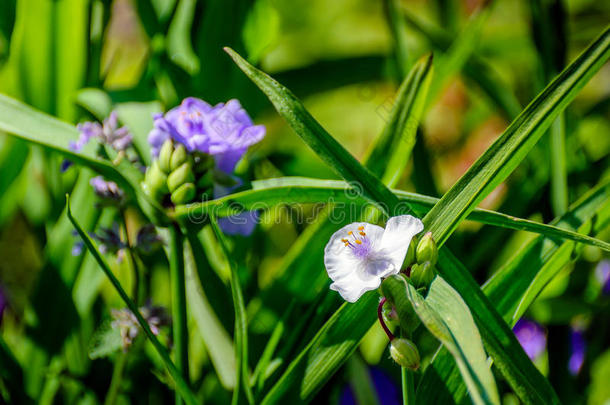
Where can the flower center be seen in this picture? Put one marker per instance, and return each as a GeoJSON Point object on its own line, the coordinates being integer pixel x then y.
{"type": "Point", "coordinates": [359, 244]}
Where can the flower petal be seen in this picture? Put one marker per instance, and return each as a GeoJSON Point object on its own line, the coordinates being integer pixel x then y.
{"type": "Point", "coordinates": [397, 236]}
{"type": "Point", "coordinates": [348, 267]}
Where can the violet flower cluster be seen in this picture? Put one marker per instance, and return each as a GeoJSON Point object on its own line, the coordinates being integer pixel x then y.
{"type": "Point", "coordinates": [224, 131]}
{"type": "Point", "coordinates": [532, 337]}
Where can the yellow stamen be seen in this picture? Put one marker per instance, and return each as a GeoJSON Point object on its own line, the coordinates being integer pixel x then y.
{"type": "Point", "coordinates": [362, 233]}
{"type": "Point", "coordinates": [344, 240]}
{"type": "Point", "coordinates": [358, 241]}
{"type": "Point", "coordinates": [350, 233]}
{"type": "Point", "coordinates": [360, 228]}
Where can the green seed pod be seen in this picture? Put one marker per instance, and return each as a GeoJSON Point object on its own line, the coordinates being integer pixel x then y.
{"type": "Point", "coordinates": [422, 274]}
{"type": "Point", "coordinates": [405, 353]}
{"type": "Point", "coordinates": [426, 250]}
{"type": "Point", "coordinates": [183, 174]}
{"type": "Point", "coordinates": [183, 194]}
{"type": "Point", "coordinates": [165, 155]}
{"type": "Point", "coordinates": [155, 182]}
{"type": "Point", "coordinates": [179, 157]}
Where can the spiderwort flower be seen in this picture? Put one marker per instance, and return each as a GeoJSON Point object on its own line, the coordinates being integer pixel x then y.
{"type": "Point", "coordinates": [602, 274]}
{"type": "Point", "coordinates": [578, 347]}
{"type": "Point", "coordinates": [224, 131]}
{"type": "Point", "coordinates": [531, 336]}
{"type": "Point", "coordinates": [360, 254]}
{"type": "Point", "coordinates": [128, 325]}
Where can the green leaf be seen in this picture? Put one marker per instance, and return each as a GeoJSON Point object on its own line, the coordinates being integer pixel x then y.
{"type": "Point", "coordinates": [241, 325]}
{"type": "Point", "coordinates": [106, 341]}
{"type": "Point", "coordinates": [216, 339]}
{"type": "Point", "coordinates": [511, 147]}
{"type": "Point", "coordinates": [180, 384]}
{"type": "Point", "coordinates": [323, 356]}
{"type": "Point", "coordinates": [448, 318]}
{"type": "Point", "coordinates": [179, 46]}
{"type": "Point", "coordinates": [261, 29]}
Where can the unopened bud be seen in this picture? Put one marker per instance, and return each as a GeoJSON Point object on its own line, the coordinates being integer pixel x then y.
{"type": "Point", "coordinates": [390, 316]}
{"type": "Point", "coordinates": [165, 155]}
{"type": "Point", "coordinates": [405, 353]}
{"type": "Point", "coordinates": [178, 158]}
{"type": "Point", "coordinates": [183, 194]}
{"type": "Point", "coordinates": [426, 250]}
{"type": "Point", "coordinates": [422, 274]}
{"type": "Point", "coordinates": [183, 174]}
{"type": "Point", "coordinates": [155, 181]}
{"type": "Point", "coordinates": [410, 258]}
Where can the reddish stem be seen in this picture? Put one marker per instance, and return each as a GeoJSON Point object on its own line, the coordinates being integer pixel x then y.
{"type": "Point", "coordinates": [380, 316]}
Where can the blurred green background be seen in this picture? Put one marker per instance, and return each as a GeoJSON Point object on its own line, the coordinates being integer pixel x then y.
{"type": "Point", "coordinates": [75, 59]}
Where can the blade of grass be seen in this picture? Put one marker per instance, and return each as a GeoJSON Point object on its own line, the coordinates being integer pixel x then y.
{"type": "Point", "coordinates": [242, 379]}
{"type": "Point", "coordinates": [180, 384]}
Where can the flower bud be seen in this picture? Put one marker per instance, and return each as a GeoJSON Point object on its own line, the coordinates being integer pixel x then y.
{"type": "Point", "coordinates": [183, 194]}
{"type": "Point", "coordinates": [165, 156]}
{"type": "Point", "coordinates": [155, 182]}
{"type": "Point", "coordinates": [183, 174]}
{"type": "Point", "coordinates": [405, 353]}
{"type": "Point", "coordinates": [426, 250]}
{"type": "Point", "coordinates": [178, 158]}
{"type": "Point", "coordinates": [422, 274]}
{"type": "Point", "coordinates": [390, 317]}
{"type": "Point", "coordinates": [410, 258]}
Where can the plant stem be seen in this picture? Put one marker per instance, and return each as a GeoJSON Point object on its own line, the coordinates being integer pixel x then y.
{"type": "Point", "coordinates": [408, 391]}
{"type": "Point", "coordinates": [180, 332]}
{"type": "Point", "coordinates": [137, 297]}
{"type": "Point", "coordinates": [117, 377]}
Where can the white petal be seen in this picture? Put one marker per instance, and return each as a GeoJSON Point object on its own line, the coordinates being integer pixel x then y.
{"type": "Point", "coordinates": [397, 235]}
{"type": "Point", "coordinates": [348, 271]}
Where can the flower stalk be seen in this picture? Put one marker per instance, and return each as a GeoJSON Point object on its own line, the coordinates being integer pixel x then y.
{"type": "Point", "coordinates": [180, 331]}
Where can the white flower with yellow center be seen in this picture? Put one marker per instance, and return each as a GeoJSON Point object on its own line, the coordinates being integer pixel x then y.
{"type": "Point", "coordinates": [359, 255]}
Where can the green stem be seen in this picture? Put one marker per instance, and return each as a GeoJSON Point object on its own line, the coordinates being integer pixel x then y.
{"type": "Point", "coordinates": [137, 296]}
{"type": "Point", "coordinates": [408, 390]}
{"type": "Point", "coordinates": [180, 332]}
{"type": "Point", "coordinates": [117, 378]}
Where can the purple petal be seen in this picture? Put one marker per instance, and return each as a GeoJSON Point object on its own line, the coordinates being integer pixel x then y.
{"type": "Point", "coordinates": [532, 337]}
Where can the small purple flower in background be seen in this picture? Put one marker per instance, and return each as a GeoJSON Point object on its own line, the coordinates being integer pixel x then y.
{"type": "Point", "coordinates": [3, 302]}
{"type": "Point", "coordinates": [107, 133]}
{"type": "Point", "coordinates": [128, 325]}
{"type": "Point", "coordinates": [532, 337]}
{"type": "Point", "coordinates": [110, 241]}
{"type": "Point", "coordinates": [148, 239]}
{"type": "Point", "coordinates": [224, 131]}
{"type": "Point", "coordinates": [602, 274]}
{"type": "Point", "coordinates": [578, 348]}
{"type": "Point", "coordinates": [79, 245]}
{"type": "Point", "coordinates": [106, 189]}
{"type": "Point", "coordinates": [387, 392]}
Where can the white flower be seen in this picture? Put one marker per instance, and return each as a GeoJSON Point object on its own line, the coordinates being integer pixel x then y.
{"type": "Point", "coordinates": [359, 255]}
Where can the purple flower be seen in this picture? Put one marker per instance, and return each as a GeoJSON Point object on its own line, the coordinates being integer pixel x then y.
{"type": "Point", "coordinates": [106, 189]}
{"type": "Point", "coordinates": [578, 347]}
{"type": "Point", "coordinates": [3, 302]}
{"type": "Point", "coordinates": [532, 337]}
{"type": "Point", "coordinates": [110, 241]}
{"type": "Point", "coordinates": [224, 131]}
{"type": "Point", "coordinates": [127, 323]}
{"type": "Point", "coordinates": [148, 239]}
{"type": "Point", "coordinates": [107, 133]}
{"type": "Point", "coordinates": [602, 274]}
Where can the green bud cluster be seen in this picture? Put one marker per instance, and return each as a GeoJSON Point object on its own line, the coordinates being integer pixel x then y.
{"type": "Point", "coordinates": [179, 175]}
{"type": "Point", "coordinates": [426, 255]}
{"type": "Point", "coordinates": [405, 353]}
